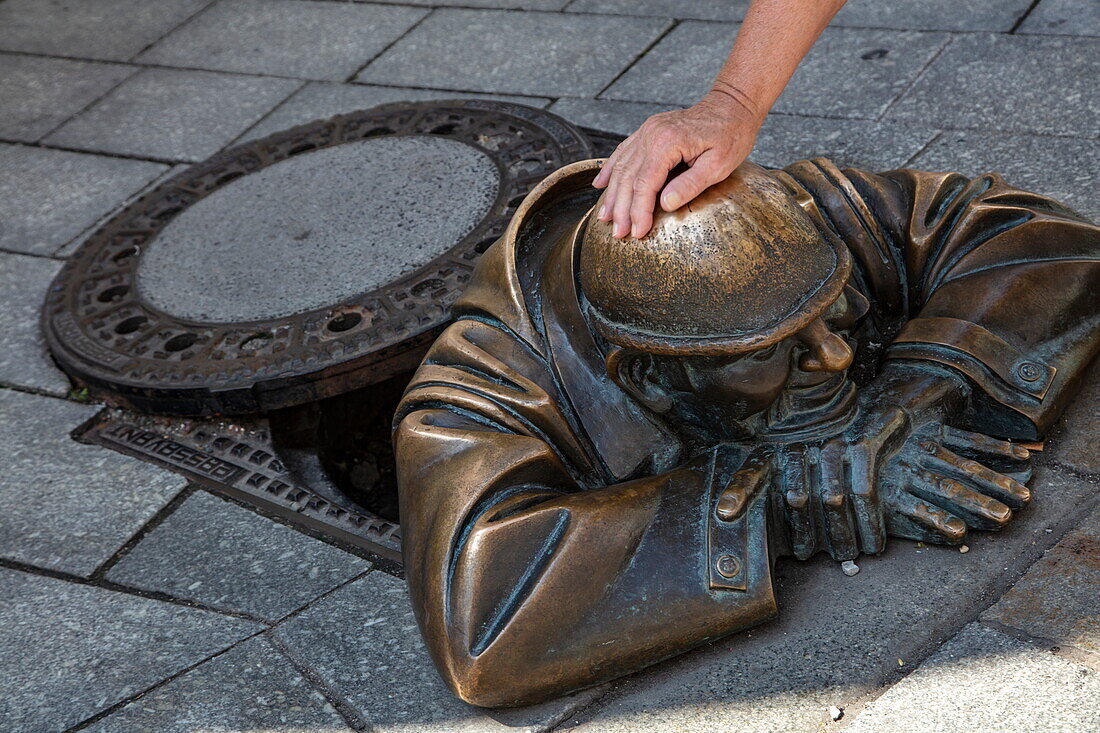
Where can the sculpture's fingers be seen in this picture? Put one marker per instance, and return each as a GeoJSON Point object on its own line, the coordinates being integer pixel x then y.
{"type": "Point", "coordinates": [864, 458]}
{"type": "Point", "coordinates": [836, 508]}
{"type": "Point", "coordinates": [965, 441]}
{"type": "Point", "coordinates": [976, 509]}
{"type": "Point", "coordinates": [794, 483]}
{"type": "Point", "coordinates": [746, 483]}
{"type": "Point", "coordinates": [1005, 489]}
{"type": "Point", "coordinates": [918, 520]}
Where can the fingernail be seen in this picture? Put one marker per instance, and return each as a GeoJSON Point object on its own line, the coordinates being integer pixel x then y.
{"type": "Point", "coordinates": [670, 202]}
{"type": "Point", "coordinates": [1020, 452]}
{"type": "Point", "coordinates": [602, 216]}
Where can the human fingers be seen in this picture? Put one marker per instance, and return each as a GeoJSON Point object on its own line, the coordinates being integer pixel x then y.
{"type": "Point", "coordinates": [794, 483]}
{"type": "Point", "coordinates": [971, 445]}
{"type": "Point", "coordinates": [981, 478]}
{"type": "Point", "coordinates": [624, 196]}
{"type": "Point", "coordinates": [648, 179]}
{"type": "Point", "coordinates": [976, 509]}
{"type": "Point", "coordinates": [743, 486]}
{"type": "Point", "coordinates": [915, 519]}
{"type": "Point", "coordinates": [708, 169]}
{"type": "Point", "coordinates": [836, 508]}
{"type": "Point", "coordinates": [612, 172]}
{"type": "Point", "coordinates": [608, 168]}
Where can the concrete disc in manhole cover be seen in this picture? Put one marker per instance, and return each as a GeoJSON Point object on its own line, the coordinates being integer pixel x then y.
{"type": "Point", "coordinates": [302, 265]}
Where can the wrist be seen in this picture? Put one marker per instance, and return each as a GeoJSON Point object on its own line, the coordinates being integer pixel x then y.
{"type": "Point", "coordinates": [734, 104]}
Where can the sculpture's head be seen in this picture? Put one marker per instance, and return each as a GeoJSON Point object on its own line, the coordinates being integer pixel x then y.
{"type": "Point", "coordinates": [724, 305]}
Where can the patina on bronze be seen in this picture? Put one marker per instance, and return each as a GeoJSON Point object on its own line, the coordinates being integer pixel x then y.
{"type": "Point", "coordinates": [601, 459]}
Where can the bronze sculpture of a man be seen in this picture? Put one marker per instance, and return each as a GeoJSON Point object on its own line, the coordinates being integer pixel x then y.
{"type": "Point", "coordinates": [600, 460]}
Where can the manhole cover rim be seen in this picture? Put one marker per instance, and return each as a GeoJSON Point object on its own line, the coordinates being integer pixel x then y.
{"type": "Point", "coordinates": [182, 384]}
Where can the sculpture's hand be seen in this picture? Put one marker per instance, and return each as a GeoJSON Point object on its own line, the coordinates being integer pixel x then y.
{"type": "Point", "coordinates": [900, 471]}
{"type": "Point", "coordinates": [712, 138]}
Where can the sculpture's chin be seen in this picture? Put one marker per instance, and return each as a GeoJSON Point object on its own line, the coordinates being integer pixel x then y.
{"type": "Point", "coordinates": [813, 405]}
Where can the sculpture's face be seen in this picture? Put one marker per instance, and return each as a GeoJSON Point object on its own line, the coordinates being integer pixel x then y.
{"type": "Point", "coordinates": [748, 384]}
{"type": "Point", "coordinates": [717, 395]}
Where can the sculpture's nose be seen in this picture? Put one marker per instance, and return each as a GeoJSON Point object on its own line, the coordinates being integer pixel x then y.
{"type": "Point", "coordinates": [826, 351]}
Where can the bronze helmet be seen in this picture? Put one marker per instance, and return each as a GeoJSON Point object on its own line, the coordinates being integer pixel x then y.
{"type": "Point", "coordinates": [739, 268]}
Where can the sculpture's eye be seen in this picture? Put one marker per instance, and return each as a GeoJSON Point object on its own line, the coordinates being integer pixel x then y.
{"type": "Point", "coordinates": [765, 354]}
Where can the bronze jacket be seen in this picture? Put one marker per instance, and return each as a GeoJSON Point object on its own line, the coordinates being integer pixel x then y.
{"type": "Point", "coordinates": [555, 534]}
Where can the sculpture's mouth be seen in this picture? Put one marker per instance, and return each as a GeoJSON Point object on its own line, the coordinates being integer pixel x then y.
{"type": "Point", "coordinates": [813, 405]}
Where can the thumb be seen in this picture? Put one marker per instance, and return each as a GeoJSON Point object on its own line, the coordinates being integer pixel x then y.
{"type": "Point", "coordinates": [707, 170]}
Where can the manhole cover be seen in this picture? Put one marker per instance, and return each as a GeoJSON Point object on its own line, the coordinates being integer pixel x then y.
{"type": "Point", "coordinates": [303, 265]}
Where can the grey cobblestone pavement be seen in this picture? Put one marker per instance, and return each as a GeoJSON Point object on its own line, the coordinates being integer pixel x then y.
{"type": "Point", "coordinates": [130, 601]}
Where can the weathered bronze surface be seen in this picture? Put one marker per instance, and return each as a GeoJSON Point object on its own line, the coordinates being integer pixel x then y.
{"type": "Point", "coordinates": [601, 459]}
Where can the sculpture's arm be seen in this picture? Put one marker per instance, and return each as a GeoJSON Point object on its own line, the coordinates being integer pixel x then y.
{"type": "Point", "coordinates": [527, 584]}
{"type": "Point", "coordinates": [999, 283]}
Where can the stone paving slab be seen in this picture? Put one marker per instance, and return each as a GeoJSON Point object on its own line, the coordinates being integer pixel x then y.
{"type": "Point", "coordinates": [544, 54]}
{"type": "Point", "coordinates": [312, 40]}
{"type": "Point", "coordinates": [872, 146]}
{"type": "Point", "coordinates": [606, 114]}
{"type": "Point", "coordinates": [838, 638]}
{"type": "Point", "coordinates": [683, 9]}
{"type": "Point", "coordinates": [225, 556]}
{"type": "Point", "coordinates": [933, 15]}
{"type": "Point", "coordinates": [782, 140]}
{"type": "Point", "coordinates": [251, 687]}
{"type": "Point", "coordinates": [851, 73]}
{"type": "Point", "coordinates": [1064, 168]}
{"type": "Point", "coordinates": [1059, 597]}
{"type": "Point", "coordinates": [169, 172]}
{"type": "Point", "coordinates": [505, 4]}
{"type": "Point", "coordinates": [90, 29]}
{"type": "Point", "coordinates": [1073, 442]}
{"type": "Point", "coordinates": [982, 680]}
{"type": "Point", "coordinates": [318, 100]}
{"type": "Point", "coordinates": [63, 505]}
{"type": "Point", "coordinates": [1064, 17]}
{"type": "Point", "coordinates": [69, 651]}
{"type": "Point", "coordinates": [174, 114]}
{"type": "Point", "coordinates": [48, 197]}
{"type": "Point", "coordinates": [41, 93]}
{"type": "Point", "coordinates": [23, 359]}
{"type": "Point", "coordinates": [363, 641]}
{"type": "Point", "coordinates": [997, 82]}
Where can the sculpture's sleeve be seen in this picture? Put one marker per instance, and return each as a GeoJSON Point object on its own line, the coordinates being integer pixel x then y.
{"type": "Point", "coordinates": [527, 580]}
{"type": "Point", "coordinates": [998, 283]}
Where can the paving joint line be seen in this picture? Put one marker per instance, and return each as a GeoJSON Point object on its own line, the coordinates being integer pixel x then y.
{"type": "Point", "coordinates": [93, 151]}
{"type": "Point", "coordinates": [1069, 652]}
{"type": "Point", "coordinates": [339, 703]}
{"type": "Point", "coordinates": [916, 78]}
{"type": "Point", "coordinates": [128, 590]}
{"type": "Point", "coordinates": [39, 392]}
{"type": "Point", "coordinates": [1020, 21]}
{"type": "Point", "coordinates": [161, 683]}
{"type": "Point", "coordinates": [660, 37]}
{"type": "Point", "coordinates": [9, 251]}
{"type": "Point", "coordinates": [923, 148]}
{"type": "Point", "coordinates": [158, 518]}
{"type": "Point", "coordinates": [173, 29]}
{"type": "Point", "coordinates": [390, 45]}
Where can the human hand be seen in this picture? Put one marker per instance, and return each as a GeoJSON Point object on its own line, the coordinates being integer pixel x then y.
{"type": "Point", "coordinates": [712, 138]}
{"type": "Point", "coordinates": [899, 470]}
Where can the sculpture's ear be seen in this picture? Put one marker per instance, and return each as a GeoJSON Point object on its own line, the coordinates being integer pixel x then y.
{"type": "Point", "coordinates": [637, 374]}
